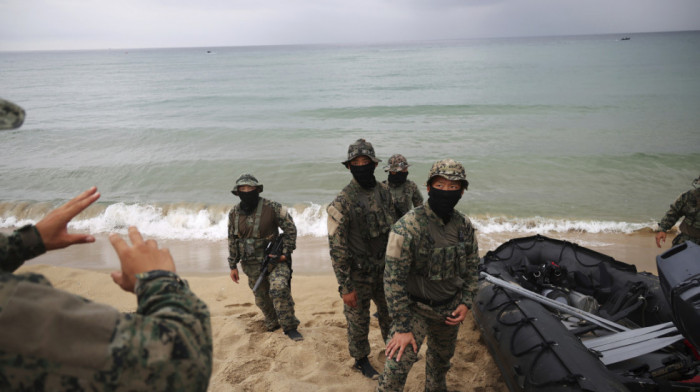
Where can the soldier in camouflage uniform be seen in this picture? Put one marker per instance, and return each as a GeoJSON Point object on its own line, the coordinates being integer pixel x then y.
{"type": "Point", "coordinates": [429, 281]}
{"type": "Point", "coordinates": [53, 340]}
{"type": "Point", "coordinates": [252, 224]}
{"type": "Point", "coordinates": [359, 220]}
{"type": "Point", "coordinates": [404, 192]}
{"type": "Point", "coordinates": [688, 206]}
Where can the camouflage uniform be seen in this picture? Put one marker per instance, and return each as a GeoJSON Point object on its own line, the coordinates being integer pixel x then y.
{"type": "Point", "coordinates": [404, 196]}
{"type": "Point", "coordinates": [688, 206]}
{"type": "Point", "coordinates": [53, 340]}
{"type": "Point", "coordinates": [248, 235]}
{"type": "Point", "coordinates": [430, 270]}
{"type": "Point", "coordinates": [11, 115]}
{"type": "Point", "coordinates": [359, 221]}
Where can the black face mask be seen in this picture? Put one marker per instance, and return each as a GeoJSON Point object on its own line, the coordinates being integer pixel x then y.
{"type": "Point", "coordinates": [398, 178]}
{"type": "Point", "coordinates": [364, 175]}
{"type": "Point", "coordinates": [249, 200]}
{"type": "Point", "coordinates": [443, 202]}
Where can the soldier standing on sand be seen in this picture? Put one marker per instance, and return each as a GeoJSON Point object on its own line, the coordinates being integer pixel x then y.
{"type": "Point", "coordinates": [252, 224]}
{"type": "Point", "coordinates": [430, 279]}
{"type": "Point", "coordinates": [404, 192]}
{"type": "Point", "coordinates": [359, 220]}
{"type": "Point", "coordinates": [688, 206]}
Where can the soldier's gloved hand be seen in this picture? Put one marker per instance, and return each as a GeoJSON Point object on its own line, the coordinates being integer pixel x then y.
{"type": "Point", "coordinates": [53, 229]}
{"type": "Point", "coordinates": [142, 256]}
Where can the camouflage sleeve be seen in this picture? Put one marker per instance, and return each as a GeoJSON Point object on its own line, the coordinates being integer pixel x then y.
{"type": "Point", "coordinates": [675, 212]}
{"type": "Point", "coordinates": [399, 252]}
{"type": "Point", "coordinates": [286, 223]}
{"type": "Point", "coordinates": [233, 256]}
{"type": "Point", "coordinates": [417, 198]}
{"type": "Point", "coordinates": [168, 341]}
{"type": "Point", "coordinates": [337, 242]}
{"type": "Point", "coordinates": [24, 244]}
{"type": "Point", "coordinates": [470, 286]}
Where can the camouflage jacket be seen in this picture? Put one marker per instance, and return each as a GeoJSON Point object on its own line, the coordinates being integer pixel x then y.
{"type": "Point", "coordinates": [18, 247]}
{"type": "Point", "coordinates": [404, 196]}
{"type": "Point", "coordinates": [359, 221]}
{"type": "Point", "coordinates": [53, 340]}
{"type": "Point", "coordinates": [688, 206]}
{"type": "Point", "coordinates": [422, 246]}
{"type": "Point", "coordinates": [247, 244]}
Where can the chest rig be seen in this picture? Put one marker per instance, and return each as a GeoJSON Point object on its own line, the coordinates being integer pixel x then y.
{"type": "Point", "coordinates": [369, 227]}
{"type": "Point", "coordinates": [252, 248]}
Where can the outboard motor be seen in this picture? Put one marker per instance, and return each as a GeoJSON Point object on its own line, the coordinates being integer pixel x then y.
{"type": "Point", "coordinates": [679, 274]}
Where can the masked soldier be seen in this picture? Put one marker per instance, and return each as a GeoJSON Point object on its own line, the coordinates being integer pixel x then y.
{"type": "Point", "coordinates": [252, 225]}
{"type": "Point", "coordinates": [404, 192]}
{"type": "Point", "coordinates": [430, 279]}
{"type": "Point", "coordinates": [359, 220]}
{"type": "Point", "coordinates": [688, 206]}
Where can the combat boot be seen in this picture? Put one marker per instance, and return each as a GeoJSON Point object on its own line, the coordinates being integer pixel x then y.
{"type": "Point", "coordinates": [366, 368]}
{"type": "Point", "coordinates": [294, 335]}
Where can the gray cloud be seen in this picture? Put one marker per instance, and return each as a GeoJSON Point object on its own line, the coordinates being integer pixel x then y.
{"type": "Point", "coordinates": [72, 24]}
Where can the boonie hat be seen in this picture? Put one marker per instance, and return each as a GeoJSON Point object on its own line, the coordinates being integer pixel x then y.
{"type": "Point", "coordinates": [449, 169]}
{"type": "Point", "coordinates": [359, 148]}
{"type": "Point", "coordinates": [246, 179]}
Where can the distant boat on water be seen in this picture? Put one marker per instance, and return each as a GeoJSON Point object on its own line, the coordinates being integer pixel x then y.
{"type": "Point", "coordinates": [625, 39]}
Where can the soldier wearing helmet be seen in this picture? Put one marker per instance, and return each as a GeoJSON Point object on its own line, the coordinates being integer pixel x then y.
{"type": "Point", "coordinates": [252, 224]}
{"type": "Point", "coordinates": [687, 206]}
{"type": "Point", "coordinates": [359, 221]}
{"type": "Point", "coordinates": [430, 279]}
{"type": "Point", "coordinates": [404, 192]}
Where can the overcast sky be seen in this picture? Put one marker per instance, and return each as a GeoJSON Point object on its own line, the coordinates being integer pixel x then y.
{"type": "Point", "coordinates": [102, 24]}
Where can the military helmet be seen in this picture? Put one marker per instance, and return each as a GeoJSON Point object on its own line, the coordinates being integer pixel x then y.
{"type": "Point", "coordinates": [11, 115]}
{"type": "Point", "coordinates": [246, 179]}
{"type": "Point", "coordinates": [396, 163]}
{"type": "Point", "coordinates": [359, 148]}
{"type": "Point", "coordinates": [449, 169]}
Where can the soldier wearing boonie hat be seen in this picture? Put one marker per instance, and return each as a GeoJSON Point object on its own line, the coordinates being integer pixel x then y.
{"type": "Point", "coordinates": [686, 206]}
{"type": "Point", "coordinates": [404, 192]}
{"type": "Point", "coordinates": [252, 224]}
{"type": "Point", "coordinates": [359, 220]}
{"type": "Point", "coordinates": [11, 115]}
{"type": "Point", "coordinates": [430, 278]}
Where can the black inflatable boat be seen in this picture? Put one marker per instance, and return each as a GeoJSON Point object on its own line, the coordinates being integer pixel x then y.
{"type": "Point", "coordinates": [557, 316]}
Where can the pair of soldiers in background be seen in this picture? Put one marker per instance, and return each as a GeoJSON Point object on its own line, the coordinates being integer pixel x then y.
{"type": "Point", "coordinates": [420, 271]}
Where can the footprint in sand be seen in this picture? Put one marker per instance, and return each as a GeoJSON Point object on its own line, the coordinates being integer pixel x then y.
{"type": "Point", "coordinates": [238, 305]}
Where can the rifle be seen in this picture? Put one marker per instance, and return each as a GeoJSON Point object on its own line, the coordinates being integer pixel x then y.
{"type": "Point", "coordinates": [274, 248]}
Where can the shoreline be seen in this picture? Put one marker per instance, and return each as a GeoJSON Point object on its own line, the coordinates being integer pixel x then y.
{"type": "Point", "coordinates": [312, 258]}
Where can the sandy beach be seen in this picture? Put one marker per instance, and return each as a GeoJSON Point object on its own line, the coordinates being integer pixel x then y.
{"type": "Point", "coordinates": [247, 358]}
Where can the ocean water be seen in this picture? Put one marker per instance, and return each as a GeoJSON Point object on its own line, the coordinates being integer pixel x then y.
{"type": "Point", "coordinates": [558, 134]}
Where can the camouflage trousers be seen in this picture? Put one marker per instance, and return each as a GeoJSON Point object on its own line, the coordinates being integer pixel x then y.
{"type": "Point", "coordinates": [442, 339]}
{"type": "Point", "coordinates": [681, 238]}
{"type": "Point", "coordinates": [369, 287]}
{"type": "Point", "coordinates": [274, 296]}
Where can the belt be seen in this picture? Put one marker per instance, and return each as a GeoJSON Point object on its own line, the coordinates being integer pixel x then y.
{"type": "Point", "coordinates": [431, 302]}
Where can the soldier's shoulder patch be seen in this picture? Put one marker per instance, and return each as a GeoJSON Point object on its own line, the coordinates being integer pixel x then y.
{"type": "Point", "coordinates": [334, 219]}
{"type": "Point", "coordinates": [394, 245]}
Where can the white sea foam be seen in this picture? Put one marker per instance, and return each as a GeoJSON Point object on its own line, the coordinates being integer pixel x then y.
{"type": "Point", "coordinates": [200, 223]}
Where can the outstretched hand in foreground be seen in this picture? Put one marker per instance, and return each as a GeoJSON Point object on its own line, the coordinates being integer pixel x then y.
{"type": "Point", "coordinates": [53, 229]}
{"type": "Point", "coordinates": [141, 256]}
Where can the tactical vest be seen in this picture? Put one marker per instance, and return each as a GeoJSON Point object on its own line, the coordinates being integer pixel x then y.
{"type": "Point", "coordinates": [440, 261]}
{"type": "Point", "coordinates": [251, 249]}
{"type": "Point", "coordinates": [370, 224]}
